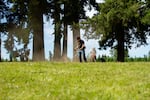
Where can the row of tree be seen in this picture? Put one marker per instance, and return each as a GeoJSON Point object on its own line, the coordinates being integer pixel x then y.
{"type": "Point", "coordinates": [113, 57]}
{"type": "Point", "coordinates": [118, 24]}
{"type": "Point", "coordinates": [25, 21]}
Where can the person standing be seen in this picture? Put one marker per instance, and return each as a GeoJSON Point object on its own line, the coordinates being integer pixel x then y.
{"type": "Point", "coordinates": [93, 55]}
{"type": "Point", "coordinates": [81, 49]}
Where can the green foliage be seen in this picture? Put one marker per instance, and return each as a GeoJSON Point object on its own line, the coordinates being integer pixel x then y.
{"type": "Point", "coordinates": [146, 18]}
{"type": "Point", "coordinates": [75, 81]}
{"type": "Point", "coordinates": [119, 24]}
{"type": "Point", "coordinates": [110, 15]}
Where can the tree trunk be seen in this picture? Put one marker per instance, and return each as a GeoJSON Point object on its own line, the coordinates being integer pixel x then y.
{"type": "Point", "coordinates": [57, 49]}
{"type": "Point", "coordinates": [57, 43]}
{"type": "Point", "coordinates": [64, 53]}
{"type": "Point", "coordinates": [76, 33]}
{"type": "Point", "coordinates": [38, 38]}
{"type": "Point", "coordinates": [65, 42]}
{"type": "Point", "coordinates": [120, 46]}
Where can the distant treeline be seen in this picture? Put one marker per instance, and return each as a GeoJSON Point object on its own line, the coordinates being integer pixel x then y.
{"type": "Point", "coordinates": [105, 59]}
{"type": "Point", "coordinates": [127, 59]}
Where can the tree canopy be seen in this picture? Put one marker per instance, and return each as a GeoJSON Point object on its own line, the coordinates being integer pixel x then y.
{"type": "Point", "coordinates": [120, 23]}
{"type": "Point", "coordinates": [26, 17]}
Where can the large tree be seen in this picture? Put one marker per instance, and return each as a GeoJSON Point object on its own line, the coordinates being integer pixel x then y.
{"type": "Point", "coordinates": [65, 30]}
{"type": "Point", "coordinates": [36, 11]}
{"type": "Point", "coordinates": [30, 15]}
{"type": "Point", "coordinates": [55, 12]}
{"type": "Point", "coordinates": [119, 24]}
{"type": "Point", "coordinates": [74, 11]}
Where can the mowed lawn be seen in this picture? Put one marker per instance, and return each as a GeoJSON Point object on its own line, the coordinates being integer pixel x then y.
{"type": "Point", "coordinates": [74, 81]}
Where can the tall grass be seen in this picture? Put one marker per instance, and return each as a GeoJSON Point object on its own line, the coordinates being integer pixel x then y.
{"type": "Point", "coordinates": [74, 81]}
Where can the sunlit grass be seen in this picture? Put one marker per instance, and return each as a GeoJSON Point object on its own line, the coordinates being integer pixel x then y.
{"type": "Point", "coordinates": [75, 81]}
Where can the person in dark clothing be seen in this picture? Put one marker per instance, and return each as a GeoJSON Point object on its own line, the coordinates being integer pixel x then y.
{"type": "Point", "coordinates": [81, 49]}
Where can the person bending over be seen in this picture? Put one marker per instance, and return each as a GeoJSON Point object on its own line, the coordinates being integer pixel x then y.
{"type": "Point", "coordinates": [81, 49]}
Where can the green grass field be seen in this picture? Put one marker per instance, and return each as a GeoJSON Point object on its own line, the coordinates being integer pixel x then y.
{"type": "Point", "coordinates": [75, 81]}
